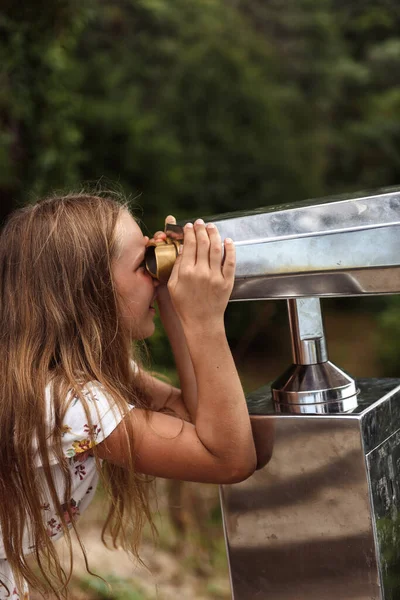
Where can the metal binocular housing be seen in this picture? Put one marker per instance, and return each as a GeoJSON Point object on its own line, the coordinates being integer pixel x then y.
{"type": "Point", "coordinates": [344, 246]}
{"type": "Point", "coordinates": [320, 518]}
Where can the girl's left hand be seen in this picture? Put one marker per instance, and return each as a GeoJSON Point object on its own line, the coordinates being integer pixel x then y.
{"type": "Point", "coordinates": [163, 297]}
{"type": "Point", "coordinates": [186, 404]}
{"type": "Point", "coordinates": [161, 235]}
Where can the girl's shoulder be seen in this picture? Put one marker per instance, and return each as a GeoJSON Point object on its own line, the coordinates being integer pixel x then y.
{"type": "Point", "coordinates": [86, 419]}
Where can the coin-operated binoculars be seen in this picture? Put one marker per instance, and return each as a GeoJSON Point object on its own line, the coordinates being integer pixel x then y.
{"type": "Point", "coordinates": [320, 518]}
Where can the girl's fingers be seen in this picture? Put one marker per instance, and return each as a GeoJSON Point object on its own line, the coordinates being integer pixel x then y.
{"type": "Point", "coordinates": [189, 247]}
{"type": "Point", "coordinates": [228, 267]}
{"type": "Point", "coordinates": [170, 219]}
{"type": "Point", "coordinates": [215, 247]}
{"type": "Point", "coordinates": [159, 235]}
{"type": "Point", "coordinates": [175, 272]}
{"type": "Point", "coordinates": [203, 243]}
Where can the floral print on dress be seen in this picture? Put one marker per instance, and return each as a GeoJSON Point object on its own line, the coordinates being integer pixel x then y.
{"type": "Point", "coordinates": [80, 471]}
{"type": "Point", "coordinates": [65, 429]}
{"type": "Point", "coordinates": [70, 510]}
{"type": "Point", "coordinates": [53, 527]}
{"type": "Point", "coordinates": [88, 395]}
{"type": "Point", "coordinates": [92, 431]}
{"type": "Point", "coordinates": [77, 439]}
{"type": "Point", "coordinates": [80, 446]}
{"type": "Point", "coordinates": [16, 596]}
{"type": "Point", "coordinates": [85, 444]}
{"type": "Point", "coordinates": [82, 457]}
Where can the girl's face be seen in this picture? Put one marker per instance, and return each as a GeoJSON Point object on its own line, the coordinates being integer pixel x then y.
{"type": "Point", "coordinates": [135, 287]}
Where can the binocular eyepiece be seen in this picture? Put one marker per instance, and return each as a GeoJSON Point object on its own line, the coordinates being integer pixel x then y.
{"type": "Point", "coordinates": [161, 255]}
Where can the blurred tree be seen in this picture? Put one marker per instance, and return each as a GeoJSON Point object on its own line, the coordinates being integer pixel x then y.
{"type": "Point", "coordinates": [39, 138]}
{"type": "Point", "coordinates": [198, 107]}
{"type": "Point", "coordinates": [184, 102]}
{"type": "Point", "coordinates": [388, 338]}
{"type": "Point", "coordinates": [366, 150]}
{"type": "Point", "coordinates": [202, 107]}
{"type": "Point", "coordinates": [368, 134]}
{"type": "Point", "coordinates": [342, 60]}
{"type": "Point", "coordinates": [308, 42]}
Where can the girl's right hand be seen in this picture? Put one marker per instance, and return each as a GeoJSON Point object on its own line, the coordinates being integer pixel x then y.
{"type": "Point", "coordinates": [202, 279]}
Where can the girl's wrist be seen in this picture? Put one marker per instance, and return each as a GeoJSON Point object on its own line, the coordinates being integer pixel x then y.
{"type": "Point", "coordinates": [164, 303]}
{"type": "Point", "coordinates": [204, 331]}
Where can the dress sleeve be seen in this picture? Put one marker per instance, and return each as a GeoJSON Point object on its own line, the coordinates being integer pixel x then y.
{"type": "Point", "coordinates": [79, 433]}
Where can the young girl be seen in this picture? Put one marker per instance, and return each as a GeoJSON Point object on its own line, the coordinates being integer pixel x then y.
{"type": "Point", "coordinates": [75, 405]}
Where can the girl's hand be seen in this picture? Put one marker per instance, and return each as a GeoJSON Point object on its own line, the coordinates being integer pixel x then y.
{"type": "Point", "coordinates": [163, 297]}
{"type": "Point", "coordinates": [186, 402]}
{"type": "Point", "coordinates": [161, 235]}
{"type": "Point", "coordinates": [201, 281]}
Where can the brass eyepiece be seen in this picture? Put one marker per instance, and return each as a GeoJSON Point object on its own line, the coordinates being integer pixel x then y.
{"type": "Point", "coordinates": [160, 256]}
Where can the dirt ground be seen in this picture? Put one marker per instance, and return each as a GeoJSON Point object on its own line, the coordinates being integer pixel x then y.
{"type": "Point", "coordinates": [187, 560]}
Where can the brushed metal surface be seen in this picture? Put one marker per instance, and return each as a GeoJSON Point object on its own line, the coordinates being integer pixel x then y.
{"type": "Point", "coordinates": [319, 519]}
{"type": "Point", "coordinates": [307, 331]}
{"type": "Point", "coordinates": [311, 384]}
{"type": "Point", "coordinates": [329, 247]}
{"type": "Point", "coordinates": [321, 388]}
{"type": "Point", "coordinates": [340, 246]}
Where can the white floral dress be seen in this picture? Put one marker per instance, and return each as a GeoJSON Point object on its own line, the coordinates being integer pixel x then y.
{"type": "Point", "coordinates": [76, 441]}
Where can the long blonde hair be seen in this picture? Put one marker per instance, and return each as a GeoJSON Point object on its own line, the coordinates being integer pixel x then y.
{"type": "Point", "coordinates": [59, 320]}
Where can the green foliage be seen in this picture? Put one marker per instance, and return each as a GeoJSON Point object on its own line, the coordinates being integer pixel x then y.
{"type": "Point", "coordinates": [388, 530]}
{"type": "Point", "coordinates": [114, 588]}
{"type": "Point", "coordinates": [160, 354]}
{"type": "Point", "coordinates": [185, 108]}
{"type": "Point", "coordinates": [40, 140]}
{"type": "Point", "coordinates": [199, 107]}
{"type": "Point", "coordinates": [389, 337]}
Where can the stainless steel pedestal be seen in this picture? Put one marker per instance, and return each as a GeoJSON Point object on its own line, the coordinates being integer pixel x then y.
{"type": "Point", "coordinates": [320, 518]}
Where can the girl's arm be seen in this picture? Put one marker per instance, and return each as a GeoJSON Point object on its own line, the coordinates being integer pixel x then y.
{"type": "Point", "coordinates": [159, 394]}
{"type": "Point", "coordinates": [184, 401]}
{"type": "Point", "coordinates": [183, 361]}
{"type": "Point", "coordinates": [219, 446]}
